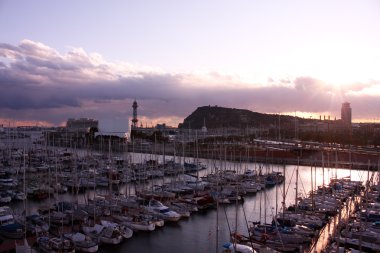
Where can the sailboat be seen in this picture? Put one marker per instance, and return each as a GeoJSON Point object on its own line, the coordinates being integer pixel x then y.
{"type": "Point", "coordinates": [9, 227]}
{"type": "Point", "coordinates": [82, 242]}
{"type": "Point", "coordinates": [157, 208]}
{"type": "Point", "coordinates": [236, 247]}
{"type": "Point", "coordinates": [55, 244]}
{"type": "Point", "coordinates": [107, 235]}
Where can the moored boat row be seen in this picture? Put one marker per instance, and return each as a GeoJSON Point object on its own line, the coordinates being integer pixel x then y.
{"type": "Point", "coordinates": [299, 227]}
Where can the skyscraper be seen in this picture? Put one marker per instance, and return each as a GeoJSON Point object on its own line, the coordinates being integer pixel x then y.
{"type": "Point", "coordinates": [346, 114]}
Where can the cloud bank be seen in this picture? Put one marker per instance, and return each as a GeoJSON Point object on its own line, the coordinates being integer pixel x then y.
{"type": "Point", "coordinates": [41, 84]}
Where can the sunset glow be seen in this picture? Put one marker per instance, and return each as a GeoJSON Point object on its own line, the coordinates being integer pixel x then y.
{"type": "Point", "coordinates": [269, 57]}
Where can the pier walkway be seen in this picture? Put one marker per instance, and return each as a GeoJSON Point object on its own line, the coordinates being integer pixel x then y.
{"type": "Point", "coordinates": [329, 231]}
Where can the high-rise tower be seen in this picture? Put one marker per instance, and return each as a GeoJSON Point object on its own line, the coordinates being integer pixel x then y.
{"type": "Point", "coordinates": [346, 114]}
{"type": "Point", "coordinates": [134, 120]}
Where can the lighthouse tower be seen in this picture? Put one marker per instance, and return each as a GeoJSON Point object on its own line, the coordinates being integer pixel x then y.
{"type": "Point", "coordinates": [134, 120]}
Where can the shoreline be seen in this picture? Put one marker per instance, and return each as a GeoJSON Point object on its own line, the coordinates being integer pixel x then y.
{"type": "Point", "coordinates": [304, 157]}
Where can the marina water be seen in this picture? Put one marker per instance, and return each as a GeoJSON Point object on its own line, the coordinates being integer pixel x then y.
{"type": "Point", "coordinates": [206, 231]}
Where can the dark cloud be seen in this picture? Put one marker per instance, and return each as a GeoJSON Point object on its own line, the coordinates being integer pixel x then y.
{"type": "Point", "coordinates": [39, 83]}
{"type": "Point", "coordinates": [308, 84]}
{"type": "Point", "coordinates": [9, 51]}
{"type": "Point", "coordinates": [42, 63]}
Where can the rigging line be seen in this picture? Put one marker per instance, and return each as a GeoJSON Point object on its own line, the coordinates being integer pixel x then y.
{"type": "Point", "coordinates": [275, 223]}
{"type": "Point", "coordinates": [361, 175]}
{"type": "Point", "coordinates": [287, 190]}
{"type": "Point", "coordinates": [281, 190]}
{"type": "Point", "coordinates": [246, 223]}
{"type": "Point", "coordinates": [229, 228]}
{"type": "Point", "coordinates": [302, 186]}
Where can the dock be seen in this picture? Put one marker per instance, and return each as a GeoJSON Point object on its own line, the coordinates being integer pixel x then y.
{"type": "Point", "coordinates": [333, 226]}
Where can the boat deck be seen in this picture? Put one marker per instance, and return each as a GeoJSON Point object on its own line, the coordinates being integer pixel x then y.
{"type": "Point", "coordinates": [9, 245]}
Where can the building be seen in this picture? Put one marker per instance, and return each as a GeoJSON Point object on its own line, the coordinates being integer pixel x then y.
{"type": "Point", "coordinates": [81, 125]}
{"type": "Point", "coordinates": [346, 114]}
{"type": "Point", "coordinates": [149, 132]}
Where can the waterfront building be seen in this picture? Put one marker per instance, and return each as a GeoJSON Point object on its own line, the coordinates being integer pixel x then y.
{"type": "Point", "coordinates": [346, 114]}
{"type": "Point", "coordinates": [81, 125]}
{"type": "Point", "coordinates": [149, 132]}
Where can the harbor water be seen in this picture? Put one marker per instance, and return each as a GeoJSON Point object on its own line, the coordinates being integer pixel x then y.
{"type": "Point", "coordinates": [208, 230]}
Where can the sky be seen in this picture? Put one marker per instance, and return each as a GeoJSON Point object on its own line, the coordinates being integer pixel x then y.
{"type": "Point", "coordinates": [73, 59]}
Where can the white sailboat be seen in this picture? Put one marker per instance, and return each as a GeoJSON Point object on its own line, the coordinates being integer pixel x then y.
{"type": "Point", "coordinates": [238, 248]}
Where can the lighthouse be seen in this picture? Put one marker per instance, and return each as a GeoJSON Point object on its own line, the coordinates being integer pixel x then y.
{"type": "Point", "coordinates": [134, 120]}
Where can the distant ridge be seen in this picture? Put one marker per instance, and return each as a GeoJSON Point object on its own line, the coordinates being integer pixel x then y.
{"type": "Point", "coordinates": [221, 117]}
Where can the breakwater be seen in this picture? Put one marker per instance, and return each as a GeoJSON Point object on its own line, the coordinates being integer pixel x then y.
{"type": "Point", "coordinates": [329, 158]}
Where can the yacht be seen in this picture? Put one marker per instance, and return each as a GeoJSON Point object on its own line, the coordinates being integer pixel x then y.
{"type": "Point", "coordinates": [159, 209]}
{"type": "Point", "coordinates": [82, 242]}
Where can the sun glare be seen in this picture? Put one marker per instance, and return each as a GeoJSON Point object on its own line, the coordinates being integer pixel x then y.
{"type": "Point", "coordinates": [311, 115]}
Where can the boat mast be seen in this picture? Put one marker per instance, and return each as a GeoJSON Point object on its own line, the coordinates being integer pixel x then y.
{"type": "Point", "coordinates": [312, 188]}
{"type": "Point", "coordinates": [217, 201]}
{"type": "Point", "coordinates": [296, 197]}
{"type": "Point", "coordinates": [349, 156]}
{"type": "Point", "coordinates": [323, 176]}
{"type": "Point", "coordinates": [283, 193]}
{"type": "Point", "coordinates": [24, 190]}
{"type": "Point", "coordinates": [276, 194]}
{"type": "Point", "coordinates": [196, 152]}
{"type": "Point", "coordinates": [155, 159]}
